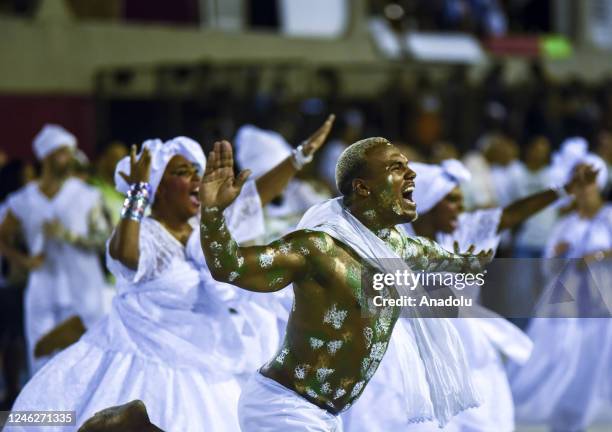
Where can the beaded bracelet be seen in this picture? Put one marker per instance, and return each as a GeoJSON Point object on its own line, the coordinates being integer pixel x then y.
{"type": "Point", "coordinates": [299, 159]}
{"type": "Point", "coordinates": [136, 202]}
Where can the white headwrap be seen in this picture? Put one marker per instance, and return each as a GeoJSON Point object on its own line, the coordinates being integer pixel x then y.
{"type": "Point", "coordinates": [161, 153]}
{"type": "Point", "coordinates": [260, 150]}
{"type": "Point", "coordinates": [50, 138]}
{"type": "Point", "coordinates": [434, 182]}
{"type": "Point", "coordinates": [575, 151]}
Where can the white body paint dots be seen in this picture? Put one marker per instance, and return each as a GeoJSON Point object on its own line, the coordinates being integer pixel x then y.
{"type": "Point", "coordinates": [266, 259]}
{"type": "Point", "coordinates": [334, 346]}
{"type": "Point", "coordinates": [335, 317]}
{"type": "Point", "coordinates": [316, 343]}
{"type": "Point", "coordinates": [323, 373]}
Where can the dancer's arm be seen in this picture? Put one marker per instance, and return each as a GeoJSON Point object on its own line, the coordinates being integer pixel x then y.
{"type": "Point", "coordinates": [9, 231]}
{"type": "Point", "coordinates": [523, 209]}
{"type": "Point", "coordinates": [272, 184]}
{"type": "Point", "coordinates": [95, 239]}
{"type": "Point", "coordinates": [424, 254]}
{"type": "Point", "coordinates": [258, 268]}
{"type": "Point", "coordinates": [124, 244]}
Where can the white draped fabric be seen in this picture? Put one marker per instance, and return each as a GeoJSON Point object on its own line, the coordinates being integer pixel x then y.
{"type": "Point", "coordinates": [430, 367]}
{"type": "Point", "coordinates": [484, 340]}
{"type": "Point", "coordinates": [169, 340]}
{"type": "Point", "coordinates": [286, 411]}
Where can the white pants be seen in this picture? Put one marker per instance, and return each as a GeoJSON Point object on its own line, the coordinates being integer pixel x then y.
{"type": "Point", "coordinates": [267, 406]}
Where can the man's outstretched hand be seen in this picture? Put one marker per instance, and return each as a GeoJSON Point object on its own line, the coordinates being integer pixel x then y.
{"type": "Point", "coordinates": [219, 187]}
{"type": "Point", "coordinates": [484, 256]}
{"type": "Point", "coordinates": [316, 140]}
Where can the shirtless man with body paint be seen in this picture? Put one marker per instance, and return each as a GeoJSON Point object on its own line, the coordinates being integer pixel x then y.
{"type": "Point", "coordinates": [332, 346]}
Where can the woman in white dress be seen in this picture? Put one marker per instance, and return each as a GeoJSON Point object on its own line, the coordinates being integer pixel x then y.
{"type": "Point", "coordinates": [59, 217]}
{"type": "Point", "coordinates": [170, 340]}
{"type": "Point", "coordinates": [567, 381]}
{"type": "Point", "coordinates": [153, 342]}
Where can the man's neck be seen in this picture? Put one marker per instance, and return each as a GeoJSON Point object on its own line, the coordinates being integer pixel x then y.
{"type": "Point", "coordinates": [424, 227]}
{"type": "Point", "coordinates": [50, 183]}
{"type": "Point", "coordinates": [177, 226]}
{"type": "Point", "coordinates": [589, 211]}
{"type": "Point", "coordinates": [369, 216]}
{"type": "Point", "coordinates": [534, 167]}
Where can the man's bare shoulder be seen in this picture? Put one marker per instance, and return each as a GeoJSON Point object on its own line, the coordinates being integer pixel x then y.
{"type": "Point", "coordinates": [319, 246]}
{"type": "Point", "coordinates": [315, 242]}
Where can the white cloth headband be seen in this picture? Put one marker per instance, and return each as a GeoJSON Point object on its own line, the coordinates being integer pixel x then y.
{"type": "Point", "coordinates": [434, 182]}
{"type": "Point", "coordinates": [260, 150]}
{"type": "Point", "coordinates": [161, 154]}
{"type": "Point", "coordinates": [50, 138]}
{"type": "Point", "coordinates": [575, 151]}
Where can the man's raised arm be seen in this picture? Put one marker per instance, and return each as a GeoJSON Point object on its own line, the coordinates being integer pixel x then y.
{"type": "Point", "coordinates": [424, 254]}
{"type": "Point", "coordinates": [271, 184]}
{"type": "Point", "coordinates": [518, 211]}
{"type": "Point", "coordinates": [255, 268]}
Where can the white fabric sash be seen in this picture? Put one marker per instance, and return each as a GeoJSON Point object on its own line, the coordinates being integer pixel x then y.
{"type": "Point", "coordinates": [153, 320]}
{"type": "Point", "coordinates": [440, 350]}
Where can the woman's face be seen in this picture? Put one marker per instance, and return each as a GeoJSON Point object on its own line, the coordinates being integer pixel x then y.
{"type": "Point", "coordinates": [179, 187]}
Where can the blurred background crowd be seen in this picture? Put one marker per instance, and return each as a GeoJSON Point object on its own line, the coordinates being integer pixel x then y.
{"type": "Point", "coordinates": [510, 81]}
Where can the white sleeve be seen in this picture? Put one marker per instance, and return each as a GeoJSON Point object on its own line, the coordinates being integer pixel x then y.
{"type": "Point", "coordinates": [244, 217]}
{"type": "Point", "coordinates": [147, 260]}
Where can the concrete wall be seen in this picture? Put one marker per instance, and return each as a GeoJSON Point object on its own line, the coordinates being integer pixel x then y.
{"type": "Point", "coordinates": [55, 53]}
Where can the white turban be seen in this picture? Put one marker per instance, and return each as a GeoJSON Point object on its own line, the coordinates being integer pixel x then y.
{"type": "Point", "coordinates": [50, 138]}
{"type": "Point", "coordinates": [260, 150]}
{"type": "Point", "coordinates": [575, 151]}
{"type": "Point", "coordinates": [161, 153]}
{"type": "Point", "coordinates": [434, 182]}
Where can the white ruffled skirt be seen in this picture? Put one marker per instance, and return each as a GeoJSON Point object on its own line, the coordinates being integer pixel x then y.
{"type": "Point", "coordinates": [86, 378]}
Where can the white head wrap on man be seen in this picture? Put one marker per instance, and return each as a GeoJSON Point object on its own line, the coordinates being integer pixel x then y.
{"type": "Point", "coordinates": [434, 182]}
{"type": "Point", "coordinates": [260, 150]}
{"type": "Point", "coordinates": [161, 154]}
{"type": "Point", "coordinates": [575, 151]}
{"type": "Point", "coordinates": [50, 138]}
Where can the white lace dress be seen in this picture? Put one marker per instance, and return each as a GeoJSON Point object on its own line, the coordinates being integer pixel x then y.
{"type": "Point", "coordinates": [483, 340]}
{"type": "Point", "coordinates": [71, 280]}
{"type": "Point", "coordinates": [567, 382]}
{"type": "Point", "coordinates": [169, 340]}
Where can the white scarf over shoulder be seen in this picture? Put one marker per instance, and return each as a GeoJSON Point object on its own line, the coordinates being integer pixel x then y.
{"type": "Point", "coordinates": [448, 387]}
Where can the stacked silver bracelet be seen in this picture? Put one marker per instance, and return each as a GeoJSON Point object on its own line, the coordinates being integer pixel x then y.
{"type": "Point", "coordinates": [299, 159]}
{"type": "Point", "coordinates": [136, 202]}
